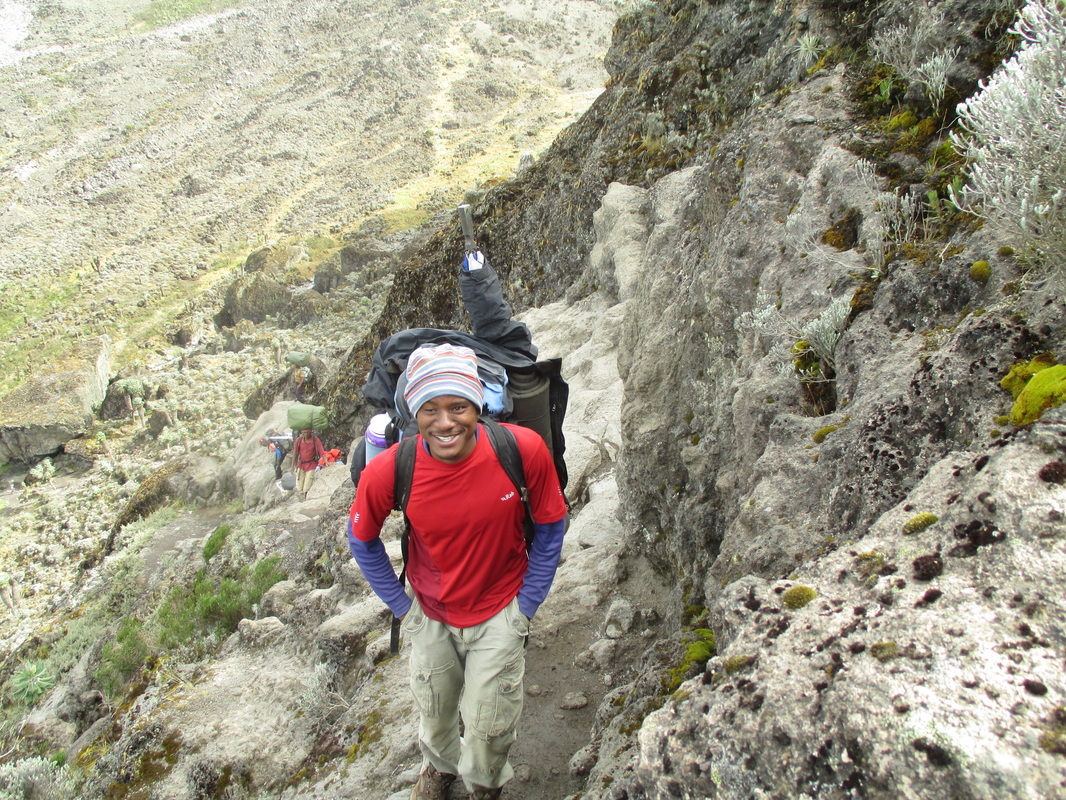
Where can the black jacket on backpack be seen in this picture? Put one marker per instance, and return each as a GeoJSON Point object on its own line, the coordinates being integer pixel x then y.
{"type": "Point", "coordinates": [501, 344]}
{"type": "Point", "coordinates": [496, 339]}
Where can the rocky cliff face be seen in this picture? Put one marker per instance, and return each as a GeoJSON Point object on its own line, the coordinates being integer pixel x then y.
{"type": "Point", "coordinates": [875, 552]}
{"type": "Point", "coordinates": [811, 555]}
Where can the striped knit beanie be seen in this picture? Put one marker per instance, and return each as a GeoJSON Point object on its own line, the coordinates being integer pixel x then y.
{"type": "Point", "coordinates": [433, 370]}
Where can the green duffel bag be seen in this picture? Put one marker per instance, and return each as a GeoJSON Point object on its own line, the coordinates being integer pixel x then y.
{"type": "Point", "coordinates": [304, 417]}
{"type": "Point", "coordinates": [299, 359]}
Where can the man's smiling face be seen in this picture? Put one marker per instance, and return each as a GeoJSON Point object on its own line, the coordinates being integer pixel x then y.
{"type": "Point", "coordinates": [448, 424]}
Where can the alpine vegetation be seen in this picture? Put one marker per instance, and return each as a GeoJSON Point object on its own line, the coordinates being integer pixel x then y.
{"type": "Point", "coordinates": [808, 49]}
{"type": "Point", "coordinates": [1013, 137]}
{"type": "Point", "coordinates": [906, 48]}
{"type": "Point", "coordinates": [36, 777]}
{"type": "Point", "coordinates": [933, 75]}
{"type": "Point", "coordinates": [805, 350]}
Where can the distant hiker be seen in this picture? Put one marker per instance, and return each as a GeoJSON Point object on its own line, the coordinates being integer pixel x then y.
{"type": "Point", "coordinates": [11, 594]}
{"type": "Point", "coordinates": [279, 446]}
{"type": "Point", "coordinates": [307, 449]}
{"type": "Point", "coordinates": [300, 388]}
{"type": "Point", "coordinates": [475, 588]}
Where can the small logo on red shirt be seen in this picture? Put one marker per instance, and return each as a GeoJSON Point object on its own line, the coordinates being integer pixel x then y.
{"type": "Point", "coordinates": [507, 497]}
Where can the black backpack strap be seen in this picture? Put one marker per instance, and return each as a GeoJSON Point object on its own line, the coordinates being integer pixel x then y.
{"type": "Point", "coordinates": [506, 448]}
{"type": "Point", "coordinates": [401, 494]}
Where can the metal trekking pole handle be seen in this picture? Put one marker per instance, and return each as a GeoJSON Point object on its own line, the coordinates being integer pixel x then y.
{"type": "Point", "coordinates": [467, 220]}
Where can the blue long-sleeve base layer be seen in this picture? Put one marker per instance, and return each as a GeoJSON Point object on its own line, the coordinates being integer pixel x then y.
{"type": "Point", "coordinates": [373, 560]}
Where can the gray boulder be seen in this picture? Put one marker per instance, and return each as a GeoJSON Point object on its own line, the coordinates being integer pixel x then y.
{"type": "Point", "coordinates": [252, 297]}
{"type": "Point", "coordinates": [45, 412]}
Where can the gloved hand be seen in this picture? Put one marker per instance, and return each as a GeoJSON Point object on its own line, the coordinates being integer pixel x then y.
{"type": "Point", "coordinates": [473, 261]}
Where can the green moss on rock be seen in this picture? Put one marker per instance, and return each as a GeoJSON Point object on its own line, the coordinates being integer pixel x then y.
{"type": "Point", "coordinates": [904, 119]}
{"type": "Point", "coordinates": [1053, 737]}
{"type": "Point", "coordinates": [699, 649]}
{"type": "Point", "coordinates": [821, 433]}
{"type": "Point", "coordinates": [735, 664]}
{"type": "Point", "coordinates": [919, 522]}
{"type": "Point", "coordinates": [980, 271]}
{"type": "Point", "coordinates": [885, 651]}
{"type": "Point", "coordinates": [1046, 389]}
{"type": "Point", "coordinates": [1021, 373]}
{"type": "Point", "coordinates": [798, 596]}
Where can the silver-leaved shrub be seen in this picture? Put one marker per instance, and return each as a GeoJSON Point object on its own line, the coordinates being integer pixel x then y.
{"type": "Point", "coordinates": [1013, 135]}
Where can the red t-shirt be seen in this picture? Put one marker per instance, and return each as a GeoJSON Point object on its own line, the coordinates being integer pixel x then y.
{"type": "Point", "coordinates": [467, 552]}
{"type": "Point", "coordinates": [307, 451]}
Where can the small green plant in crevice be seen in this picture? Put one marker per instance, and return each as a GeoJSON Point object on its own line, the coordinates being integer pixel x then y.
{"type": "Point", "coordinates": [699, 649]}
{"type": "Point", "coordinates": [120, 659]}
{"type": "Point", "coordinates": [915, 52]}
{"type": "Point", "coordinates": [870, 564]}
{"type": "Point", "coordinates": [215, 605]}
{"type": "Point", "coordinates": [806, 351]}
{"type": "Point", "coordinates": [808, 49]}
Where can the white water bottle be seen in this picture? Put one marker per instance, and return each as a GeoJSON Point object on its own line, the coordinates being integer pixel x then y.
{"type": "Point", "coordinates": [375, 435]}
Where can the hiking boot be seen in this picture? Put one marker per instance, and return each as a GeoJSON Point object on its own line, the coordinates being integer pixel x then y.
{"type": "Point", "coordinates": [485, 793]}
{"type": "Point", "coordinates": [432, 785]}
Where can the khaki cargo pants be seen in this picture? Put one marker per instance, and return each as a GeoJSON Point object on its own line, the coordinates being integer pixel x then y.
{"type": "Point", "coordinates": [474, 672]}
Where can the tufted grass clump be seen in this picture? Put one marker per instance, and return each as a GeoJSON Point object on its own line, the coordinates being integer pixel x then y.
{"type": "Point", "coordinates": [215, 606]}
{"type": "Point", "coordinates": [798, 596]}
{"type": "Point", "coordinates": [120, 659]}
{"type": "Point", "coordinates": [214, 542]}
{"type": "Point", "coordinates": [919, 522]}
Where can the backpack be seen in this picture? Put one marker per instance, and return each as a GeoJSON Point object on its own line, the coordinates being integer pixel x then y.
{"type": "Point", "coordinates": [503, 444]}
{"type": "Point", "coordinates": [532, 396]}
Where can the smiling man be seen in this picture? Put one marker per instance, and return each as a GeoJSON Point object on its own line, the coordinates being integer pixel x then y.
{"type": "Point", "coordinates": [475, 587]}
